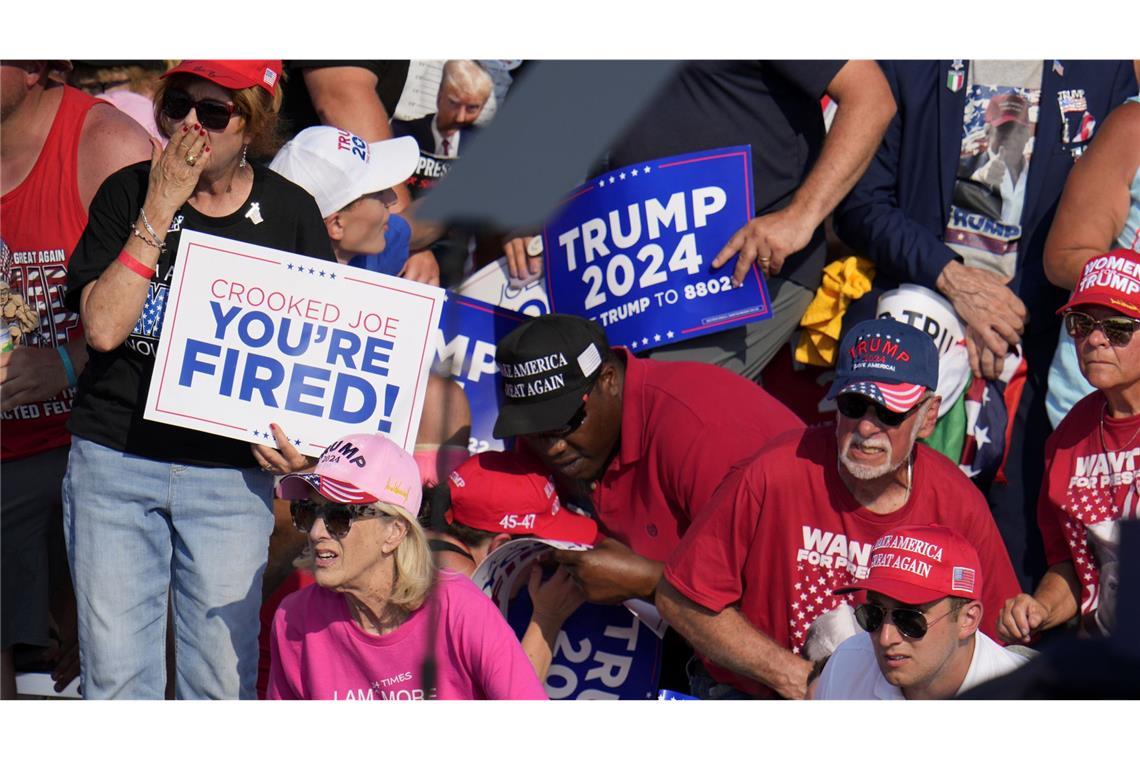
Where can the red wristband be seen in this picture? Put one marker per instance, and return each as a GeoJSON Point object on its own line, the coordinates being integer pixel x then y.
{"type": "Point", "coordinates": [136, 266]}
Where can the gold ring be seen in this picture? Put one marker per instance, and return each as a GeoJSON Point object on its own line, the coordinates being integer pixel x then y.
{"type": "Point", "coordinates": [191, 159]}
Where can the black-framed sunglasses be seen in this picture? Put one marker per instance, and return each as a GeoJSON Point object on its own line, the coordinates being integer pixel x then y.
{"type": "Point", "coordinates": [212, 114]}
{"type": "Point", "coordinates": [338, 517]}
{"type": "Point", "coordinates": [855, 405]}
{"type": "Point", "coordinates": [574, 422]}
{"type": "Point", "coordinates": [1117, 329]}
{"type": "Point", "coordinates": [910, 622]}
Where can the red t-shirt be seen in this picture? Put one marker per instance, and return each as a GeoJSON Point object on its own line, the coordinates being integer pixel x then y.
{"type": "Point", "coordinates": [41, 221]}
{"type": "Point", "coordinates": [1084, 486]}
{"type": "Point", "coordinates": [783, 532]}
{"type": "Point", "coordinates": [683, 425]}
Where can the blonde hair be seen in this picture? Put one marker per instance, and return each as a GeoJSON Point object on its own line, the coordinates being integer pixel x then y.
{"type": "Point", "coordinates": [468, 77]}
{"type": "Point", "coordinates": [414, 569]}
{"type": "Point", "coordinates": [254, 104]}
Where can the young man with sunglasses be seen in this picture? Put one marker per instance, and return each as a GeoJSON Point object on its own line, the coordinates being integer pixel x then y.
{"type": "Point", "coordinates": [799, 518]}
{"type": "Point", "coordinates": [922, 613]}
{"type": "Point", "coordinates": [643, 442]}
{"type": "Point", "coordinates": [1090, 460]}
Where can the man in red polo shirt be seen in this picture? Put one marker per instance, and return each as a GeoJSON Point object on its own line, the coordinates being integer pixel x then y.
{"type": "Point", "coordinates": [799, 519]}
{"type": "Point", "coordinates": [644, 442]}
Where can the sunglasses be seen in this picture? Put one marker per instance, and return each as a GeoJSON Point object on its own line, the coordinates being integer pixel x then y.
{"type": "Point", "coordinates": [214, 115]}
{"type": "Point", "coordinates": [910, 622]}
{"type": "Point", "coordinates": [854, 406]}
{"type": "Point", "coordinates": [338, 517]}
{"type": "Point", "coordinates": [1118, 330]}
{"type": "Point", "coordinates": [573, 424]}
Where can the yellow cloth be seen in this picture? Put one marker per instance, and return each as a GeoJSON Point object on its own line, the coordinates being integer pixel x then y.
{"type": "Point", "coordinates": [844, 281]}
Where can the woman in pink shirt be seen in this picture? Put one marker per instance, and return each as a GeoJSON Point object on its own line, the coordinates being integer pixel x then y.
{"type": "Point", "coordinates": [365, 629]}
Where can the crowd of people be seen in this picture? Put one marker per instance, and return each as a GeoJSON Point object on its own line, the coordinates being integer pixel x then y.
{"type": "Point", "coordinates": [838, 502]}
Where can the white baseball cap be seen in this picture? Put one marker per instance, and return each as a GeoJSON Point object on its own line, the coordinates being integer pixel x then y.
{"type": "Point", "coordinates": [337, 167]}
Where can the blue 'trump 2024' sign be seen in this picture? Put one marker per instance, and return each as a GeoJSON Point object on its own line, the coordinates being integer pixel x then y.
{"type": "Point", "coordinates": [633, 249]}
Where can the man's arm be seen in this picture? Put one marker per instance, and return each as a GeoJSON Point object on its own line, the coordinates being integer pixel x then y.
{"type": "Point", "coordinates": [346, 97]}
{"type": "Point", "coordinates": [729, 640]}
{"type": "Point", "coordinates": [1094, 205]}
{"type": "Point", "coordinates": [611, 572]}
{"type": "Point", "coordinates": [865, 108]}
{"type": "Point", "coordinates": [110, 141]}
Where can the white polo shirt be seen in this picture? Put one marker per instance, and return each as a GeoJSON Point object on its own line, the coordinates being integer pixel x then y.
{"type": "Point", "coordinates": [853, 672]}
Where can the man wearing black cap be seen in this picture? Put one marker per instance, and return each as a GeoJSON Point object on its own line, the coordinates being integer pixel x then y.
{"type": "Point", "coordinates": [644, 442]}
{"type": "Point", "coordinates": [921, 616]}
{"type": "Point", "coordinates": [799, 518]}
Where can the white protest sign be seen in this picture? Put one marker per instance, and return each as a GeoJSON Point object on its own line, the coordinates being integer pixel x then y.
{"type": "Point", "coordinates": [253, 336]}
{"type": "Point", "coordinates": [493, 284]}
{"type": "Point", "coordinates": [501, 572]}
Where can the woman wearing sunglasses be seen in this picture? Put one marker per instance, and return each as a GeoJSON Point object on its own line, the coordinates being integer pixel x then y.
{"type": "Point", "coordinates": [153, 511]}
{"type": "Point", "coordinates": [1091, 459]}
{"type": "Point", "coordinates": [365, 630]}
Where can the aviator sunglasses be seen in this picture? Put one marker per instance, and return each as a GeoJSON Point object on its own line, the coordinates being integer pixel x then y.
{"type": "Point", "coordinates": [854, 406]}
{"type": "Point", "coordinates": [338, 517]}
{"type": "Point", "coordinates": [911, 623]}
{"type": "Point", "coordinates": [214, 115]}
{"type": "Point", "coordinates": [1118, 330]}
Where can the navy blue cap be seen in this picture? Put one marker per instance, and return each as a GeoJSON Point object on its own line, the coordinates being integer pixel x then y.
{"type": "Point", "coordinates": [888, 361]}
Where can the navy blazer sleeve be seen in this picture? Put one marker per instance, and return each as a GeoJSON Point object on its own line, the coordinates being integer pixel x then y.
{"type": "Point", "coordinates": [870, 220]}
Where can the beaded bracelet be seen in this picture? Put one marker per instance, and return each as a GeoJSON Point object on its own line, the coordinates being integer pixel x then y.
{"type": "Point", "coordinates": [136, 266]}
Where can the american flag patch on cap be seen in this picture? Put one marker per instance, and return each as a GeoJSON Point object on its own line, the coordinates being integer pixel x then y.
{"type": "Point", "coordinates": [270, 77]}
{"type": "Point", "coordinates": [962, 579]}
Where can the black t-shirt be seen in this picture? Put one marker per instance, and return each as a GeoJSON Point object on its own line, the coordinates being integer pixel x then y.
{"type": "Point", "coordinates": [774, 106]}
{"type": "Point", "coordinates": [114, 386]}
{"type": "Point", "coordinates": [297, 107]}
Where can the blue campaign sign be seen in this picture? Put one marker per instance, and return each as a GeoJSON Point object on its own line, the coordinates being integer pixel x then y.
{"type": "Point", "coordinates": [465, 344]}
{"type": "Point", "coordinates": [602, 652]}
{"type": "Point", "coordinates": [633, 249]}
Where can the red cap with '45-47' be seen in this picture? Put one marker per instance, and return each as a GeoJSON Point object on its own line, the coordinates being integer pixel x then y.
{"type": "Point", "coordinates": [506, 492]}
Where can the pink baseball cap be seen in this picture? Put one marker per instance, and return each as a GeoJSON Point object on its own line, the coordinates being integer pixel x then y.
{"type": "Point", "coordinates": [1111, 279]}
{"type": "Point", "coordinates": [234, 75]}
{"type": "Point", "coordinates": [360, 469]}
{"type": "Point", "coordinates": [917, 564]}
{"type": "Point", "coordinates": [505, 492]}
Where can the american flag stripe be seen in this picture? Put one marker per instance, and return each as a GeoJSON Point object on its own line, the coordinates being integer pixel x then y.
{"type": "Point", "coordinates": [338, 490]}
{"type": "Point", "coordinates": [962, 579]}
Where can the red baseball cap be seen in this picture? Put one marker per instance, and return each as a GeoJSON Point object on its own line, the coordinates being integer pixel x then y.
{"type": "Point", "coordinates": [1111, 279]}
{"type": "Point", "coordinates": [1007, 107]}
{"type": "Point", "coordinates": [506, 492]}
{"type": "Point", "coordinates": [917, 564]}
{"type": "Point", "coordinates": [234, 75]}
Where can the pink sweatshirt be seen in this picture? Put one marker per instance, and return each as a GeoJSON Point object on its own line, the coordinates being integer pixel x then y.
{"type": "Point", "coordinates": [319, 652]}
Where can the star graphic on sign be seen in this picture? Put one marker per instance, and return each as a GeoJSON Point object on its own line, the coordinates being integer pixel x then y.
{"type": "Point", "coordinates": [290, 267]}
{"type": "Point", "coordinates": [621, 176]}
{"type": "Point", "coordinates": [611, 180]}
{"type": "Point", "coordinates": [669, 334]}
{"type": "Point", "coordinates": [982, 435]}
{"type": "Point", "coordinates": [657, 338]}
{"type": "Point", "coordinates": [296, 441]}
{"type": "Point", "coordinates": [312, 270]}
{"type": "Point", "coordinates": [332, 275]}
{"type": "Point", "coordinates": [645, 341]}
{"type": "Point", "coordinates": [647, 169]}
{"type": "Point", "coordinates": [601, 183]}
{"type": "Point", "coordinates": [634, 173]}
{"type": "Point", "coordinates": [256, 433]}
{"type": "Point", "coordinates": [322, 273]}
